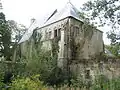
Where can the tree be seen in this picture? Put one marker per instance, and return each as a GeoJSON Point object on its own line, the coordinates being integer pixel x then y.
{"type": "Point", "coordinates": [114, 49]}
{"type": "Point", "coordinates": [10, 34]}
{"type": "Point", "coordinates": [104, 12]}
{"type": "Point", "coordinates": [5, 37]}
{"type": "Point", "coordinates": [17, 30]}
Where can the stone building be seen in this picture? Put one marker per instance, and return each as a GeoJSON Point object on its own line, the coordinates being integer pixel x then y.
{"type": "Point", "coordinates": [76, 40]}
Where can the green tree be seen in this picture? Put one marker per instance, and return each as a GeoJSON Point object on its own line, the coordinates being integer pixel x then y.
{"type": "Point", "coordinates": [5, 38]}
{"type": "Point", "coordinates": [104, 12]}
{"type": "Point", "coordinates": [114, 49]}
{"type": "Point", "coordinates": [17, 30]}
{"type": "Point", "coordinates": [10, 33]}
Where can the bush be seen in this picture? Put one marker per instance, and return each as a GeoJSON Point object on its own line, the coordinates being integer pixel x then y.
{"type": "Point", "coordinates": [56, 77]}
{"type": "Point", "coordinates": [103, 83]}
{"type": "Point", "coordinates": [1, 80]}
{"type": "Point", "coordinates": [27, 83]}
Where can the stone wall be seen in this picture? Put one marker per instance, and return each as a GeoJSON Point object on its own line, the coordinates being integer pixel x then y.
{"type": "Point", "coordinates": [87, 41]}
{"type": "Point", "coordinates": [109, 67]}
{"type": "Point", "coordinates": [75, 43]}
{"type": "Point", "coordinates": [55, 31]}
{"type": "Point", "coordinates": [26, 49]}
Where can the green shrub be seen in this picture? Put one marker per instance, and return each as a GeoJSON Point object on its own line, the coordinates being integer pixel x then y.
{"type": "Point", "coordinates": [103, 83]}
{"type": "Point", "coordinates": [56, 77]}
{"type": "Point", "coordinates": [1, 80]}
{"type": "Point", "coordinates": [27, 83]}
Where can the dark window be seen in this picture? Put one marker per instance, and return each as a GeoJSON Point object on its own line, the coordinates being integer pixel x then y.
{"type": "Point", "coordinates": [55, 33]}
{"type": "Point", "coordinates": [59, 33]}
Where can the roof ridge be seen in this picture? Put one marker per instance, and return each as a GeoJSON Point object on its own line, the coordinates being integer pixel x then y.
{"type": "Point", "coordinates": [68, 10]}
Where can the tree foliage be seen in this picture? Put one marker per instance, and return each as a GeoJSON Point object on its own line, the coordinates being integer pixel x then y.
{"type": "Point", "coordinates": [114, 49]}
{"type": "Point", "coordinates": [104, 12]}
{"type": "Point", "coordinates": [42, 61]}
{"type": "Point", "coordinates": [27, 83]}
{"type": "Point", "coordinates": [10, 33]}
{"type": "Point", "coordinates": [17, 30]}
{"type": "Point", "coordinates": [5, 37]}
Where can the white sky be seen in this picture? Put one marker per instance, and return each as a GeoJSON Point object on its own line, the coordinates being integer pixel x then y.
{"type": "Point", "coordinates": [23, 10]}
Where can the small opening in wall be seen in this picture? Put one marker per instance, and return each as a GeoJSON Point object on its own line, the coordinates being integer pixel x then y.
{"type": "Point", "coordinates": [55, 33]}
{"type": "Point", "coordinates": [59, 32]}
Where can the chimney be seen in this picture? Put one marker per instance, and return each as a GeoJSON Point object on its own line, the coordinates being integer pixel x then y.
{"type": "Point", "coordinates": [33, 20]}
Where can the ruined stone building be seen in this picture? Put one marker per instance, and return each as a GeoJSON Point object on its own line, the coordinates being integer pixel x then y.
{"type": "Point", "coordinates": [76, 40]}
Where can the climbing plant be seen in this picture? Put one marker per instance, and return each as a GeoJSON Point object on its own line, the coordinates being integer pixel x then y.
{"type": "Point", "coordinates": [43, 62]}
{"type": "Point", "coordinates": [88, 30]}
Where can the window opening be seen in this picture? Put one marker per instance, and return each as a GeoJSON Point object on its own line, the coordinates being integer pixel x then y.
{"type": "Point", "coordinates": [55, 33]}
{"type": "Point", "coordinates": [59, 33]}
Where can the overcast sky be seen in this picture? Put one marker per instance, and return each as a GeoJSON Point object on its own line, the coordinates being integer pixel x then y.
{"type": "Point", "coordinates": [23, 10]}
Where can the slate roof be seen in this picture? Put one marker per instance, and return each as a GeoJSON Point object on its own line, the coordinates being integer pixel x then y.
{"type": "Point", "coordinates": [67, 11]}
{"type": "Point", "coordinates": [28, 33]}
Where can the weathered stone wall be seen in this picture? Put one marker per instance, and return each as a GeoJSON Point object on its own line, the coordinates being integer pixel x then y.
{"type": "Point", "coordinates": [48, 34]}
{"type": "Point", "coordinates": [87, 42]}
{"type": "Point", "coordinates": [26, 48]}
{"type": "Point", "coordinates": [75, 43]}
{"type": "Point", "coordinates": [110, 68]}
{"type": "Point", "coordinates": [23, 46]}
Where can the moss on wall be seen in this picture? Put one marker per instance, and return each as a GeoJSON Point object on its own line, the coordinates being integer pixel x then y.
{"type": "Point", "coordinates": [88, 31]}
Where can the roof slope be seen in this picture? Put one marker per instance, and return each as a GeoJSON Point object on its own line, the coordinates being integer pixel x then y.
{"type": "Point", "coordinates": [28, 33]}
{"type": "Point", "coordinates": [68, 10]}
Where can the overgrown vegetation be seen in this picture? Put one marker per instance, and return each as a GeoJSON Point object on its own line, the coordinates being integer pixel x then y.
{"type": "Point", "coordinates": [42, 62]}
{"type": "Point", "coordinates": [27, 83]}
{"type": "Point", "coordinates": [7, 39]}
{"type": "Point", "coordinates": [38, 70]}
{"type": "Point", "coordinates": [114, 49]}
{"type": "Point", "coordinates": [104, 13]}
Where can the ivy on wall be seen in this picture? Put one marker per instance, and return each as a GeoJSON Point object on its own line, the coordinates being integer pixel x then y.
{"type": "Point", "coordinates": [88, 31]}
